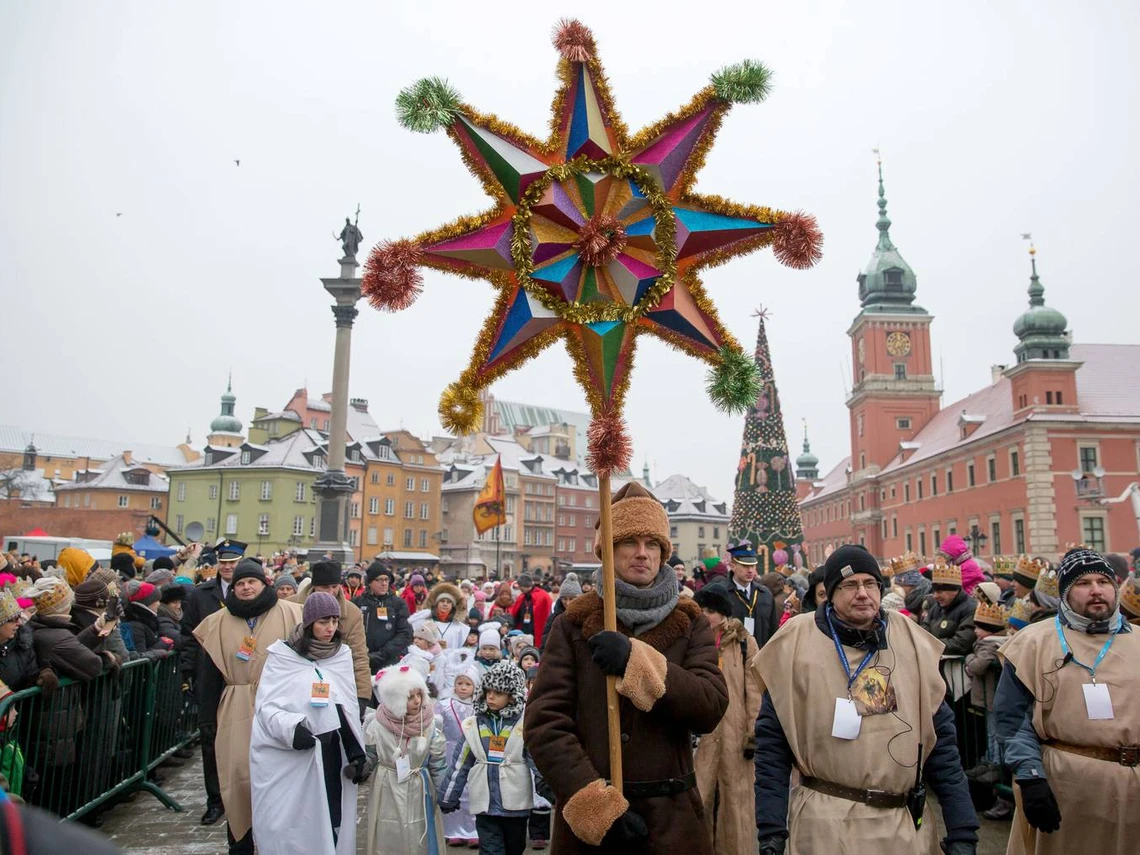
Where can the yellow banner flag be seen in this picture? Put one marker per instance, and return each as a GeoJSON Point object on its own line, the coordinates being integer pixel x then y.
{"type": "Point", "coordinates": [491, 504]}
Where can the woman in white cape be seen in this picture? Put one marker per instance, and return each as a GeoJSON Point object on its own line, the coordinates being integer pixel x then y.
{"type": "Point", "coordinates": [306, 754]}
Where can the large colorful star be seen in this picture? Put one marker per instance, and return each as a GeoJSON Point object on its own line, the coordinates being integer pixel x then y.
{"type": "Point", "coordinates": [595, 237]}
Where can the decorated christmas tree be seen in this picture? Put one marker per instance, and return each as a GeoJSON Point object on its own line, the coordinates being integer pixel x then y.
{"type": "Point", "coordinates": [764, 508]}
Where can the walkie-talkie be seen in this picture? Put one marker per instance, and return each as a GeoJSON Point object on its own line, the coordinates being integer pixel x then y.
{"type": "Point", "coordinates": [916, 798]}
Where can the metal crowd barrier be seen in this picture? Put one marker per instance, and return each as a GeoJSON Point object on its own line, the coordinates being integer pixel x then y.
{"type": "Point", "coordinates": [90, 743]}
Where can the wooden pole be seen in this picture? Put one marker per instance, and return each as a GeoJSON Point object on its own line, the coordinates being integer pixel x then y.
{"type": "Point", "coordinates": [609, 616]}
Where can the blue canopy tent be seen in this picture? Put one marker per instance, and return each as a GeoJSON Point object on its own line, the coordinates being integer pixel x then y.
{"type": "Point", "coordinates": [149, 548]}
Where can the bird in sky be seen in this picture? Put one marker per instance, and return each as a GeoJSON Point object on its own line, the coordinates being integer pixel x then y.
{"type": "Point", "coordinates": [237, 163]}
{"type": "Point", "coordinates": [119, 214]}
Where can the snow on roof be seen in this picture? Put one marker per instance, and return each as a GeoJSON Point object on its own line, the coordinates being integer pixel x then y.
{"type": "Point", "coordinates": [15, 439]}
{"type": "Point", "coordinates": [113, 476]}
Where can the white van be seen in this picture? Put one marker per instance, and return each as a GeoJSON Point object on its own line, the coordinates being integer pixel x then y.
{"type": "Point", "coordinates": [44, 548]}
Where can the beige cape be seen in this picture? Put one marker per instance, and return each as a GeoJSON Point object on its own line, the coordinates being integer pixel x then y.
{"type": "Point", "coordinates": [221, 636]}
{"type": "Point", "coordinates": [1099, 801]}
{"type": "Point", "coordinates": [800, 669]}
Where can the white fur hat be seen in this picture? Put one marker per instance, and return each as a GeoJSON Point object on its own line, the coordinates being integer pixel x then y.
{"type": "Point", "coordinates": [394, 685]}
{"type": "Point", "coordinates": [472, 672]}
{"type": "Point", "coordinates": [489, 635]}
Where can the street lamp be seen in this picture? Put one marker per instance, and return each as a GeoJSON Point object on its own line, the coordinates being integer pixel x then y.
{"type": "Point", "coordinates": [977, 539]}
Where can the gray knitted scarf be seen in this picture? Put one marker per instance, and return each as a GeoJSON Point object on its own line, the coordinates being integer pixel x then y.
{"type": "Point", "coordinates": [641, 609]}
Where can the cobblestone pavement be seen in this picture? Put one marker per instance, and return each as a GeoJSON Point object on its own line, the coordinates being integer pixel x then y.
{"type": "Point", "coordinates": [143, 826]}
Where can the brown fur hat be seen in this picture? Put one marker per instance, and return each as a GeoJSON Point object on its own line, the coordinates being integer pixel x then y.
{"type": "Point", "coordinates": [637, 513]}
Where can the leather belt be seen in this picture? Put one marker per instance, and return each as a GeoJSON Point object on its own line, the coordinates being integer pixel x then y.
{"type": "Point", "coordinates": [657, 789]}
{"type": "Point", "coordinates": [1125, 755]}
{"type": "Point", "coordinates": [873, 798]}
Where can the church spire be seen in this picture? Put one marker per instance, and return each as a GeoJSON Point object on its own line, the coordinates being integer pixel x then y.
{"type": "Point", "coordinates": [887, 284]}
{"type": "Point", "coordinates": [883, 224]}
{"type": "Point", "coordinates": [807, 464]}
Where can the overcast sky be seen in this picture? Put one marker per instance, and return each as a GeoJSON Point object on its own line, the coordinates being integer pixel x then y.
{"type": "Point", "coordinates": [994, 119]}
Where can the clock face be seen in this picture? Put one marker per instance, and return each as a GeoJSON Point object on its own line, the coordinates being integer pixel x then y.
{"type": "Point", "coordinates": [898, 344]}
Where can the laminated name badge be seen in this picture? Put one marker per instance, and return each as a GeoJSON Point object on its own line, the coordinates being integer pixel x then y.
{"type": "Point", "coordinates": [847, 722]}
{"type": "Point", "coordinates": [322, 692]}
{"type": "Point", "coordinates": [381, 613]}
{"type": "Point", "coordinates": [403, 767]}
{"type": "Point", "coordinates": [497, 749]}
{"type": "Point", "coordinates": [1098, 703]}
{"type": "Point", "coordinates": [248, 646]}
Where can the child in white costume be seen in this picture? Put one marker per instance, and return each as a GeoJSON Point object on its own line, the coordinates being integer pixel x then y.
{"type": "Point", "coordinates": [411, 760]}
{"type": "Point", "coordinates": [459, 825]}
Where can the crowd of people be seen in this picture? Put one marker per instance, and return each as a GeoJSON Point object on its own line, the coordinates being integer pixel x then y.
{"type": "Point", "coordinates": [810, 710]}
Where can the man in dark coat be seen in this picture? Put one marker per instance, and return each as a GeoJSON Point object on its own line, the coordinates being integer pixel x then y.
{"type": "Point", "coordinates": [752, 603]}
{"type": "Point", "coordinates": [669, 687]}
{"type": "Point", "coordinates": [203, 601]}
{"type": "Point", "coordinates": [951, 618]}
{"type": "Point", "coordinates": [386, 628]}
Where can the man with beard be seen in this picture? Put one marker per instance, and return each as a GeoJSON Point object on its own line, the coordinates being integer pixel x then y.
{"type": "Point", "coordinates": [1066, 711]}
{"type": "Point", "coordinates": [235, 640]}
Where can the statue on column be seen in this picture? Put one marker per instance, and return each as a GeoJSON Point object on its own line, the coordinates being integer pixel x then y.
{"type": "Point", "coordinates": [350, 236]}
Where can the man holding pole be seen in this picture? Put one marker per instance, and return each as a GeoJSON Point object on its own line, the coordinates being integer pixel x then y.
{"type": "Point", "coordinates": [662, 661]}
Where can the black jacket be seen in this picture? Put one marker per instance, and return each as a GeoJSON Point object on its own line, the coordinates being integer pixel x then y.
{"type": "Point", "coordinates": [18, 666]}
{"type": "Point", "coordinates": [203, 601]}
{"type": "Point", "coordinates": [387, 639]}
{"type": "Point", "coordinates": [169, 626]}
{"type": "Point", "coordinates": [144, 629]}
{"type": "Point", "coordinates": [942, 770]}
{"type": "Point", "coordinates": [559, 608]}
{"type": "Point", "coordinates": [760, 605]}
{"type": "Point", "coordinates": [953, 625]}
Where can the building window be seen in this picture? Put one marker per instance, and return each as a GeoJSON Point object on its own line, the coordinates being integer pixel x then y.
{"type": "Point", "coordinates": [716, 532]}
{"type": "Point", "coordinates": [1019, 536]}
{"type": "Point", "coordinates": [970, 480]}
{"type": "Point", "coordinates": [1092, 531]}
{"type": "Point", "coordinates": [1014, 463]}
{"type": "Point", "coordinates": [371, 535]}
{"type": "Point", "coordinates": [313, 423]}
{"type": "Point", "coordinates": [900, 371]}
{"type": "Point", "coordinates": [182, 492]}
{"type": "Point", "coordinates": [1060, 394]}
{"type": "Point", "coordinates": [902, 424]}
{"type": "Point", "coordinates": [1049, 397]}
{"type": "Point", "coordinates": [389, 507]}
{"type": "Point", "coordinates": [562, 519]}
{"type": "Point", "coordinates": [375, 477]}
{"type": "Point", "coordinates": [410, 484]}
{"type": "Point", "coordinates": [235, 491]}
{"type": "Point", "coordinates": [387, 537]}
{"type": "Point", "coordinates": [424, 510]}
{"type": "Point", "coordinates": [299, 492]}
{"type": "Point", "coordinates": [991, 468]}
{"type": "Point", "coordinates": [1088, 457]}
{"type": "Point", "coordinates": [936, 537]}
{"type": "Point", "coordinates": [211, 524]}
{"type": "Point", "coordinates": [921, 542]}
{"type": "Point", "coordinates": [409, 510]}
{"type": "Point", "coordinates": [423, 538]}
{"type": "Point", "coordinates": [949, 480]}
{"type": "Point", "coordinates": [425, 485]}
{"type": "Point", "coordinates": [298, 526]}
{"type": "Point", "coordinates": [266, 490]}
{"type": "Point", "coordinates": [312, 526]}
{"type": "Point", "coordinates": [884, 529]}
{"type": "Point", "coordinates": [353, 537]}
{"type": "Point", "coordinates": [909, 542]}
{"type": "Point", "coordinates": [374, 505]}
{"type": "Point", "coordinates": [672, 531]}
{"type": "Point", "coordinates": [263, 525]}
{"type": "Point", "coordinates": [245, 458]}
{"type": "Point", "coordinates": [231, 523]}
{"type": "Point", "coordinates": [354, 510]}
{"type": "Point", "coordinates": [122, 501]}
{"type": "Point", "coordinates": [178, 524]}
{"type": "Point", "coordinates": [894, 526]}
{"type": "Point", "coordinates": [156, 503]}
{"type": "Point", "coordinates": [391, 480]}
{"type": "Point", "coordinates": [326, 425]}
{"type": "Point", "coordinates": [561, 544]}
{"type": "Point", "coordinates": [906, 492]}
{"type": "Point", "coordinates": [700, 531]}
{"type": "Point", "coordinates": [995, 537]}
{"type": "Point", "coordinates": [509, 533]}
{"type": "Point", "coordinates": [892, 491]}
{"type": "Point", "coordinates": [861, 505]}
{"type": "Point", "coordinates": [918, 488]}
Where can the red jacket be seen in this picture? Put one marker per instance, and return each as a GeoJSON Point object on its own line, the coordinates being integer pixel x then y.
{"type": "Point", "coordinates": [410, 598]}
{"type": "Point", "coordinates": [541, 605]}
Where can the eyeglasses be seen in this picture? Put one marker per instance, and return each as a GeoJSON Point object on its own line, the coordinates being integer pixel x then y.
{"type": "Point", "coordinates": [853, 585]}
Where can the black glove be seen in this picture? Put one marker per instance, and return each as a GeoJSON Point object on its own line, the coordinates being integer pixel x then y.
{"type": "Point", "coordinates": [303, 738]}
{"type": "Point", "coordinates": [359, 770]}
{"type": "Point", "coordinates": [610, 651]}
{"type": "Point", "coordinates": [773, 844]}
{"type": "Point", "coordinates": [449, 808]}
{"type": "Point", "coordinates": [959, 847]}
{"type": "Point", "coordinates": [1040, 805]}
{"type": "Point", "coordinates": [629, 827]}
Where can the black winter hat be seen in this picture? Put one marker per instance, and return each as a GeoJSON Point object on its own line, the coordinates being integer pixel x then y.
{"type": "Point", "coordinates": [326, 573]}
{"type": "Point", "coordinates": [247, 568]}
{"type": "Point", "coordinates": [675, 561]}
{"type": "Point", "coordinates": [1080, 562]}
{"type": "Point", "coordinates": [376, 570]}
{"type": "Point", "coordinates": [162, 563]}
{"type": "Point", "coordinates": [846, 561]}
{"type": "Point", "coordinates": [123, 563]}
{"type": "Point", "coordinates": [714, 599]}
{"type": "Point", "coordinates": [174, 593]}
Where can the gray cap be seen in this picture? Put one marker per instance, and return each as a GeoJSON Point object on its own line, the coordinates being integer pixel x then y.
{"type": "Point", "coordinates": [284, 580]}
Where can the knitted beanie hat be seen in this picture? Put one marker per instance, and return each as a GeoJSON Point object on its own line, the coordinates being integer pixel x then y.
{"type": "Point", "coordinates": [319, 605]}
{"type": "Point", "coordinates": [51, 596]}
{"type": "Point", "coordinates": [489, 635]}
{"type": "Point", "coordinates": [376, 570]}
{"type": "Point", "coordinates": [637, 513]}
{"type": "Point", "coordinates": [571, 587]}
{"type": "Point", "coordinates": [283, 581]}
{"type": "Point", "coordinates": [1080, 562]}
{"type": "Point", "coordinates": [143, 592]}
{"type": "Point", "coordinates": [92, 594]}
{"type": "Point", "coordinates": [504, 677]}
{"type": "Point", "coordinates": [248, 568]}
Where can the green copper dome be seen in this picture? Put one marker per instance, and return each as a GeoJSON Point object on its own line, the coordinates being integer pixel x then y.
{"type": "Point", "coordinates": [887, 284]}
{"type": "Point", "coordinates": [227, 422]}
{"type": "Point", "coordinates": [1041, 331]}
{"type": "Point", "coordinates": [807, 464]}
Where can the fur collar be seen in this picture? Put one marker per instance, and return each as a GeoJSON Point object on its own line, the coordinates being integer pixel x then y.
{"type": "Point", "coordinates": [586, 612]}
{"type": "Point", "coordinates": [733, 632]}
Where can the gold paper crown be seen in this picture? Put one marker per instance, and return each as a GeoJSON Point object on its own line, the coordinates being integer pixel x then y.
{"type": "Point", "coordinates": [945, 574]}
{"type": "Point", "coordinates": [1021, 610]}
{"type": "Point", "coordinates": [125, 539]}
{"type": "Point", "coordinates": [906, 561]}
{"type": "Point", "coordinates": [1030, 567]}
{"type": "Point", "coordinates": [1130, 596]}
{"type": "Point", "coordinates": [9, 608]}
{"type": "Point", "coordinates": [1048, 583]}
{"type": "Point", "coordinates": [1004, 566]}
{"type": "Point", "coordinates": [51, 599]}
{"type": "Point", "coordinates": [991, 614]}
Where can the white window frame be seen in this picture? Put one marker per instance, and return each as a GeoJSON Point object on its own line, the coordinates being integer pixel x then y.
{"type": "Point", "coordinates": [266, 491]}
{"type": "Point", "coordinates": [371, 536]}
{"type": "Point", "coordinates": [374, 505]}
{"type": "Point", "coordinates": [299, 492]}
{"type": "Point", "coordinates": [231, 523]}
{"type": "Point", "coordinates": [410, 483]}
{"type": "Point", "coordinates": [298, 526]}
{"type": "Point", "coordinates": [425, 485]}
{"type": "Point", "coordinates": [156, 503]}
{"type": "Point", "coordinates": [235, 491]}
{"type": "Point", "coordinates": [263, 525]}
{"type": "Point", "coordinates": [213, 492]}
{"type": "Point", "coordinates": [123, 500]}
{"type": "Point", "coordinates": [425, 511]}
{"type": "Point", "coordinates": [182, 491]}
{"type": "Point", "coordinates": [389, 507]}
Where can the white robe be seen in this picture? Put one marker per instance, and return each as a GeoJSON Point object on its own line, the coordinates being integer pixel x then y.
{"type": "Point", "coordinates": [290, 809]}
{"type": "Point", "coordinates": [459, 823]}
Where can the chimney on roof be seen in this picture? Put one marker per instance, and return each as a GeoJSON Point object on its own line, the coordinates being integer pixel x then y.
{"type": "Point", "coordinates": [127, 458]}
{"type": "Point", "coordinates": [996, 373]}
{"type": "Point", "coordinates": [359, 404]}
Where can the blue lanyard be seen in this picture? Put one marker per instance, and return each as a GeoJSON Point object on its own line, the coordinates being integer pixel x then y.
{"type": "Point", "coordinates": [251, 623]}
{"type": "Point", "coordinates": [1068, 653]}
{"type": "Point", "coordinates": [851, 678]}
